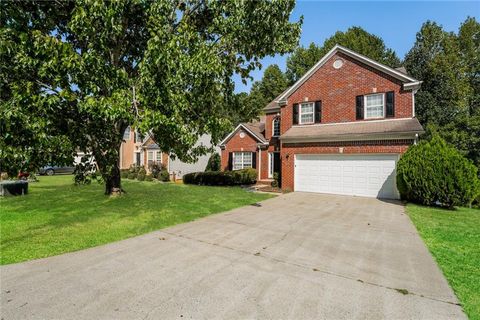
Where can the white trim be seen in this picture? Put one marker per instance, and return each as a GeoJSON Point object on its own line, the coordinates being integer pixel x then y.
{"type": "Point", "coordinates": [270, 158]}
{"type": "Point", "coordinates": [365, 105]}
{"type": "Point", "coordinates": [243, 159]}
{"type": "Point", "coordinates": [259, 170]}
{"type": "Point", "coordinates": [246, 129]}
{"type": "Point", "coordinates": [413, 102]}
{"type": "Point", "coordinates": [300, 112]}
{"type": "Point", "coordinates": [273, 127]}
{"type": "Point", "coordinates": [411, 82]}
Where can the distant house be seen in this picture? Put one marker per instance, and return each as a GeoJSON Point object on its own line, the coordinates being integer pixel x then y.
{"type": "Point", "coordinates": [144, 151]}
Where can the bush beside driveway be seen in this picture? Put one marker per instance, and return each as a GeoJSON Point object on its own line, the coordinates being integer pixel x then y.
{"type": "Point", "coordinates": [58, 217]}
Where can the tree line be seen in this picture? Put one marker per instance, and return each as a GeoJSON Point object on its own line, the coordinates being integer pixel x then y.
{"type": "Point", "coordinates": [448, 63]}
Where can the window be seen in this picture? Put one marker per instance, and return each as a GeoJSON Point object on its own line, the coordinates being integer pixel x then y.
{"type": "Point", "coordinates": [374, 106]}
{"type": "Point", "coordinates": [126, 134]}
{"type": "Point", "coordinates": [242, 160]}
{"type": "Point", "coordinates": [159, 157]}
{"type": "Point", "coordinates": [138, 137]}
{"type": "Point", "coordinates": [307, 113]}
{"type": "Point", "coordinates": [276, 127]}
{"type": "Point", "coordinates": [149, 157]}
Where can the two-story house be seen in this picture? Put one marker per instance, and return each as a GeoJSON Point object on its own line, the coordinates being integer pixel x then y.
{"type": "Point", "coordinates": [144, 151]}
{"type": "Point", "coordinates": [340, 129]}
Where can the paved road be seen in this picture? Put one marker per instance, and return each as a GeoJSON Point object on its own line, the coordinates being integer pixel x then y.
{"type": "Point", "coordinates": [297, 256]}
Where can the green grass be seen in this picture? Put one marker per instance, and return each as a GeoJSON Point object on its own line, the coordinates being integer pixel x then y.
{"type": "Point", "coordinates": [57, 216]}
{"type": "Point", "coordinates": [453, 238]}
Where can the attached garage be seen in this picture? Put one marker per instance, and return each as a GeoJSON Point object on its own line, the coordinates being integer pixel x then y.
{"type": "Point", "coordinates": [369, 175]}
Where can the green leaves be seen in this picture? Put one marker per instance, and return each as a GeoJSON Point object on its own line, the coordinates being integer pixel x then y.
{"type": "Point", "coordinates": [433, 171]}
{"type": "Point", "coordinates": [85, 70]}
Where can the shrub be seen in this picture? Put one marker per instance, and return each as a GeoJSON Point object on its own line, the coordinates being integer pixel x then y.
{"type": "Point", "coordinates": [156, 168]}
{"type": "Point", "coordinates": [164, 176]}
{"type": "Point", "coordinates": [132, 175]}
{"type": "Point", "coordinates": [142, 170]}
{"type": "Point", "coordinates": [433, 172]}
{"type": "Point", "coordinates": [218, 178]}
{"type": "Point", "coordinates": [148, 177]}
{"type": "Point", "coordinates": [124, 173]}
{"type": "Point", "coordinates": [275, 183]}
{"type": "Point", "coordinates": [213, 162]}
{"type": "Point", "coordinates": [141, 176]}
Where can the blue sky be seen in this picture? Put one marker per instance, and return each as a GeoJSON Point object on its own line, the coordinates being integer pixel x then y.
{"type": "Point", "coordinates": [395, 22]}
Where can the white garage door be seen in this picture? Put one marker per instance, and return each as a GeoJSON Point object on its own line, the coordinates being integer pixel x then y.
{"type": "Point", "coordinates": [359, 175]}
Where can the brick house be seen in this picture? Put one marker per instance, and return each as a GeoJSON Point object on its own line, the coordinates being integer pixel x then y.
{"type": "Point", "coordinates": [339, 129]}
{"type": "Point", "coordinates": [144, 151]}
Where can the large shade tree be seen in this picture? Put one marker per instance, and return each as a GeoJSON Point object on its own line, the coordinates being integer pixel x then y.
{"type": "Point", "coordinates": [76, 74]}
{"type": "Point", "coordinates": [355, 38]}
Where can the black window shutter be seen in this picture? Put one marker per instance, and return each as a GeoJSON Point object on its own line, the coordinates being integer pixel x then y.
{"type": "Point", "coordinates": [318, 111]}
{"type": "Point", "coordinates": [230, 161]}
{"type": "Point", "coordinates": [390, 104]}
{"type": "Point", "coordinates": [254, 160]}
{"type": "Point", "coordinates": [295, 113]}
{"type": "Point", "coordinates": [359, 107]}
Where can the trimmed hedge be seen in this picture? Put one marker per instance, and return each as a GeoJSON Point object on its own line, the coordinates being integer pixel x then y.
{"type": "Point", "coordinates": [141, 176]}
{"type": "Point", "coordinates": [222, 178]}
{"type": "Point", "coordinates": [164, 176]}
{"type": "Point", "coordinates": [433, 172]}
{"type": "Point", "coordinates": [148, 177]}
{"type": "Point", "coordinates": [132, 176]}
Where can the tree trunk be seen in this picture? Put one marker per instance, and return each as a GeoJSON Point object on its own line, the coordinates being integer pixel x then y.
{"type": "Point", "coordinates": [113, 182]}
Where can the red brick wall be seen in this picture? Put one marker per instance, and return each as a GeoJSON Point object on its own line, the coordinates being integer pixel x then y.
{"type": "Point", "coordinates": [356, 147]}
{"type": "Point", "coordinates": [338, 88]}
{"type": "Point", "coordinates": [247, 143]}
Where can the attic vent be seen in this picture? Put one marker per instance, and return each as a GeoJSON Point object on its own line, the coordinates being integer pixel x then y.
{"type": "Point", "coordinates": [337, 64]}
{"type": "Point", "coordinates": [242, 134]}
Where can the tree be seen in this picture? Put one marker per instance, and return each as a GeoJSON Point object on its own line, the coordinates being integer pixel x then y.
{"type": "Point", "coordinates": [273, 82]}
{"type": "Point", "coordinates": [162, 66]}
{"type": "Point", "coordinates": [448, 101]}
{"type": "Point", "coordinates": [355, 38]}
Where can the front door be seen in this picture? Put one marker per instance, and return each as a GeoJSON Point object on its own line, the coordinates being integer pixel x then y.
{"type": "Point", "coordinates": [274, 165]}
{"type": "Point", "coordinates": [138, 160]}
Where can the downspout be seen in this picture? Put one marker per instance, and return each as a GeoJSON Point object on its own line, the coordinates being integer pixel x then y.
{"type": "Point", "coordinates": [413, 102]}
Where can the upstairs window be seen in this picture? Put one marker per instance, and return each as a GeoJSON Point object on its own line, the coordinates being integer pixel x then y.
{"type": "Point", "coordinates": [126, 134]}
{"type": "Point", "coordinates": [307, 113]}
{"type": "Point", "coordinates": [276, 127]}
{"type": "Point", "coordinates": [374, 106]}
{"type": "Point", "coordinates": [138, 137]}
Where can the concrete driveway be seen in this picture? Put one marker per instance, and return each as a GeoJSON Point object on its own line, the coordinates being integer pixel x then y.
{"type": "Point", "coordinates": [297, 256]}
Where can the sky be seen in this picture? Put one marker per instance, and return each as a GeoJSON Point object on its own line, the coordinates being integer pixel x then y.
{"type": "Point", "coordinates": [395, 22]}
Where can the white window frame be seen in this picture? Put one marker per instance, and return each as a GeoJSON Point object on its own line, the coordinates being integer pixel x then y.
{"type": "Point", "coordinates": [242, 164]}
{"type": "Point", "coordinates": [158, 156]}
{"type": "Point", "coordinates": [365, 105]}
{"type": "Point", "coordinates": [276, 119]}
{"type": "Point", "coordinates": [300, 112]}
{"type": "Point", "coordinates": [270, 164]}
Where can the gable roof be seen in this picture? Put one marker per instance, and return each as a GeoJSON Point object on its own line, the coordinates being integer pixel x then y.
{"type": "Point", "coordinates": [256, 129]}
{"type": "Point", "coordinates": [409, 83]}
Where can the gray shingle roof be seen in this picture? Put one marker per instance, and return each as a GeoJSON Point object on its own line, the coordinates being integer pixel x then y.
{"type": "Point", "coordinates": [352, 130]}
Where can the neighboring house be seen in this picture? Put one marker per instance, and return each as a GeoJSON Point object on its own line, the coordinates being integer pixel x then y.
{"type": "Point", "coordinates": [339, 129]}
{"type": "Point", "coordinates": [144, 151]}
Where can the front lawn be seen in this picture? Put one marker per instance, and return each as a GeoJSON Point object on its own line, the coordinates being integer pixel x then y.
{"type": "Point", "coordinates": [453, 238]}
{"type": "Point", "coordinates": [57, 216]}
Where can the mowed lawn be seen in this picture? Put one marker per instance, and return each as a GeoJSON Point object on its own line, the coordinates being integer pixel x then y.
{"type": "Point", "coordinates": [453, 237]}
{"type": "Point", "coordinates": [57, 216]}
